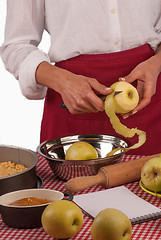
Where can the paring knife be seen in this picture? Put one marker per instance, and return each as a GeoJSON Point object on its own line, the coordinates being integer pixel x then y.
{"type": "Point", "coordinates": [103, 97]}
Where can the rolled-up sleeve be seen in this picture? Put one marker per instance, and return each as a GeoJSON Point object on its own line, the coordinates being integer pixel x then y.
{"type": "Point", "coordinates": [25, 23]}
{"type": "Point", "coordinates": [158, 27]}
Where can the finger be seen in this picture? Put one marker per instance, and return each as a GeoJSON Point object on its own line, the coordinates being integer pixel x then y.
{"type": "Point", "coordinates": [140, 89]}
{"type": "Point", "coordinates": [81, 111]}
{"type": "Point", "coordinates": [130, 78]}
{"type": "Point", "coordinates": [143, 103]}
{"type": "Point", "coordinates": [100, 88]}
{"type": "Point", "coordinates": [81, 106]}
{"type": "Point", "coordinates": [96, 102]}
{"type": "Point", "coordinates": [148, 93]}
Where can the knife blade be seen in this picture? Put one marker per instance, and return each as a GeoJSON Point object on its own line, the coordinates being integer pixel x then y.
{"type": "Point", "coordinates": [116, 93]}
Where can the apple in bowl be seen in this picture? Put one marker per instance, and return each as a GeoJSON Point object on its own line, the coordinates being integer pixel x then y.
{"type": "Point", "coordinates": [81, 151]}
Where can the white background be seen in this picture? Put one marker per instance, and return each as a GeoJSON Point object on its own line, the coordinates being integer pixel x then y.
{"type": "Point", "coordinates": [20, 118]}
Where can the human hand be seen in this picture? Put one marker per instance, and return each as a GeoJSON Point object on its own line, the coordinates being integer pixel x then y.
{"type": "Point", "coordinates": [146, 74]}
{"type": "Point", "coordinates": [78, 93]}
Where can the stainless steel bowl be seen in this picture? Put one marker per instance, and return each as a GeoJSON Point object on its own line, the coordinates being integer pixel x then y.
{"type": "Point", "coordinates": [54, 151]}
{"type": "Point", "coordinates": [22, 180]}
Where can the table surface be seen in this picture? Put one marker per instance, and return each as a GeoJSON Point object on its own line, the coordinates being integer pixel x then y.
{"type": "Point", "coordinates": [148, 230]}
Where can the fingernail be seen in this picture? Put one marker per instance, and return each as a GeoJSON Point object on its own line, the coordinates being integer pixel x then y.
{"type": "Point", "coordinates": [124, 117]}
{"type": "Point", "coordinates": [122, 79]}
{"type": "Point", "coordinates": [108, 89]}
{"type": "Point", "coordinates": [134, 112]}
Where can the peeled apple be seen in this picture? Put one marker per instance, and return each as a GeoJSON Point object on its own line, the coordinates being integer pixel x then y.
{"type": "Point", "coordinates": [127, 100]}
{"type": "Point", "coordinates": [122, 103]}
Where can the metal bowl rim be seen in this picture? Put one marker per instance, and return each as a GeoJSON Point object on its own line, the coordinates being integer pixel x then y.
{"type": "Point", "coordinates": [80, 161]}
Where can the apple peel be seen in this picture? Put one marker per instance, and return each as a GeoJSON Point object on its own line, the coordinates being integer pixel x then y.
{"type": "Point", "coordinates": [111, 111]}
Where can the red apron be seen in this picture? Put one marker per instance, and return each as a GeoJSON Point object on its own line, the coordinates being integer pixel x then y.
{"type": "Point", "coordinates": [106, 68]}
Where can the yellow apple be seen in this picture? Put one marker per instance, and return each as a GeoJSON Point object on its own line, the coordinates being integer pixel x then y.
{"type": "Point", "coordinates": [151, 174]}
{"type": "Point", "coordinates": [62, 219]}
{"type": "Point", "coordinates": [81, 151]}
{"type": "Point", "coordinates": [124, 102]}
{"type": "Point", "coordinates": [127, 100]}
{"type": "Point", "coordinates": [111, 224]}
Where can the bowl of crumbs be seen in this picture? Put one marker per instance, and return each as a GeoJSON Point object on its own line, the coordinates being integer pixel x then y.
{"type": "Point", "coordinates": [28, 205]}
{"type": "Point", "coordinates": [17, 169]}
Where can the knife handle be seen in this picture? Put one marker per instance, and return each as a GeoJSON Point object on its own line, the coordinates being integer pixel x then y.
{"type": "Point", "coordinates": [64, 106]}
{"type": "Point", "coordinates": [101, 96]}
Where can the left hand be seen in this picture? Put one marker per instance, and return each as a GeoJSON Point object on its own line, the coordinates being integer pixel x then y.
{"type": "Point", "coordinates": [146, 74]}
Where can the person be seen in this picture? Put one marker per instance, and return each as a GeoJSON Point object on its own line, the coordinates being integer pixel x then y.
{"type": "Point", "coordinates": [93, 44]}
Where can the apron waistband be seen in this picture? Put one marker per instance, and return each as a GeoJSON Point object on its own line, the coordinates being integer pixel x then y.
{"type": "Point", "coordinates": [141, 51]}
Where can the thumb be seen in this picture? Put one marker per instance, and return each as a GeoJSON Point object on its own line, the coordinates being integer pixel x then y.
{"type": "Point", "coordinates": [129, 78]}
{"type": "Point", "coordinates": [100, 88]}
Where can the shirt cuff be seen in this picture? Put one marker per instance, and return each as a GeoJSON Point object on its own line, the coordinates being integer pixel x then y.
{"type": "Point", "coordinates": [27, 81]}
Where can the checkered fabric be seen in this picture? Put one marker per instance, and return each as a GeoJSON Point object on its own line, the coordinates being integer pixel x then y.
{"type": "Point", "coordinates": [148, 230]}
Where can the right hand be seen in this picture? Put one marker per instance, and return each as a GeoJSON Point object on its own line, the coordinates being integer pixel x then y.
{"type": "Point", "coordinates": [78, 94]}
{"type": "Point", "coordinates": [77, 91]}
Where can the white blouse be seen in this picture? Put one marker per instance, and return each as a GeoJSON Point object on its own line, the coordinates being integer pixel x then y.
{"type": "Point", "coordinates": [75, 27]}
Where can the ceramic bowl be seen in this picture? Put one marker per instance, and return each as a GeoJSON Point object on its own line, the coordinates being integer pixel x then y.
{"type": "Point", "coordinates": [54, 151]}
{"type": "Point", "coordinates": [27, 216]}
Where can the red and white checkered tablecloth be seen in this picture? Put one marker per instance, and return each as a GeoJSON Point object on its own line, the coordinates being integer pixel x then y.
{"type": "Point", "coordinates": [149, 230]}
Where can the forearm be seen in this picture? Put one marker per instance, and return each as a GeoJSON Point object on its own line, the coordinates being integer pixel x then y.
{"type": "Point", "coordinates": [50, 76]}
